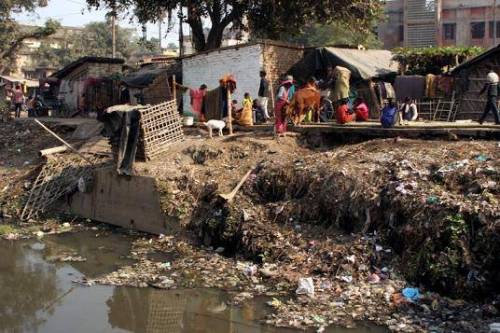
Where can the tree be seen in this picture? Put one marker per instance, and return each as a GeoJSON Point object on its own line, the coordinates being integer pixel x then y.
{"type": "Point", "coordinates": [94, 40]}
{"type": "Point", "coordinates": [334, 34]}
{"type": "Point", "coordinates": [434, 60]}
{"type": "Point", "coordinates": [12, 37]}
{"type": "Point", "coordinates": [172, 46]}
{"type": "Point", "coordinates": [264, 18]}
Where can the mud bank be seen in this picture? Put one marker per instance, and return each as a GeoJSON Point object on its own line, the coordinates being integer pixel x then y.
{"type": "Point", "coordinates": [403, 212]}
{"type": "Point", "coordinates": [362, 221]}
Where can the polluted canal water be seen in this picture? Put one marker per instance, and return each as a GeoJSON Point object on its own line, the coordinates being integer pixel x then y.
{"type": "Point", "coordinates": [37, 294]}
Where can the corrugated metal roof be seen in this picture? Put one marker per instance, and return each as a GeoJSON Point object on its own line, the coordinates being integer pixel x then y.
{"type": "Point", "coordinates": [368, 63]}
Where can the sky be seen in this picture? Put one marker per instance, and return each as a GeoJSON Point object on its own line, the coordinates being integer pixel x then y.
{"type": "Point", "coordinates": [75, 13]}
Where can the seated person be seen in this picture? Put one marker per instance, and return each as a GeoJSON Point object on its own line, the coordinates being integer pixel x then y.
{"type": "Point", "coordinates": [389, 115]}
{"type": "Point", "coordinates": [259, 116]}
{"type": "Point", "coordinates": [408, 111]}
{"type": "Point", "coordinates": [361, 110]}
{"type": "Point", "coordinates": [245, 116]}
{"type": "Point", "coordinates": [343, 115]}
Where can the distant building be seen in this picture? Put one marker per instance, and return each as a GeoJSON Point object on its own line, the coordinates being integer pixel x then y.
{"type": "Point", "coordinates": [26, 64]}
{"type": "Point", "coordinates": [422, 23]}
{"type": "Point", "coordinates": [230, 38]}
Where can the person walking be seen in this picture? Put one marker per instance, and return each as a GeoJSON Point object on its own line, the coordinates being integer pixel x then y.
{"type": "Point", "coordinates": [18, 100]}
{"type": "Point", "coordinates": [491, 103]}
{"type": "Point", "coordinates": [264, 94]}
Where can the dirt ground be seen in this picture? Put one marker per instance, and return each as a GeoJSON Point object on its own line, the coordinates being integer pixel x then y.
{"type": "Point", "coordinates": [364, 221]}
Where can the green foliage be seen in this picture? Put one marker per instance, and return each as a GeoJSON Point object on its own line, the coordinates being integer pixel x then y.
{"type": "Point", "coordinates": [12, 36]}
{"type": "Point", "coordinates": [6, 229]}
{"type": "Point", "coordinates": [334, 34]}
{"type": "Point", "coordinates": [264, 18]}
{"type": "Point", "coordinates": [433, 60]}
{"type": "Point", "coordinates": [94, 40]}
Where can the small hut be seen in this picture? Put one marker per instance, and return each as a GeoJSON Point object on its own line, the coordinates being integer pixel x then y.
{"type": "Point", "coordinates": [87, 84]}
{"type": "Point", "coordinates": [470, 78]}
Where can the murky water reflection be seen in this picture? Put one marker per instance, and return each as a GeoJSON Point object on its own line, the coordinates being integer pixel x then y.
{"type": "Point", "coordinates": [37, 294]}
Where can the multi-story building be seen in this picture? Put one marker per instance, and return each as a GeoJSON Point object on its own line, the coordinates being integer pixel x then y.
{"type": "Point", "coordinates": [230, 38]}
{"type": "Point", "coordinates": [26, 65]}
{"type": "Point", "coordinates": [422, 23]}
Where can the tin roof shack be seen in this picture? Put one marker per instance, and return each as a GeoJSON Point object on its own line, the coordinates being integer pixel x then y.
{"type": "Point", "coordinates": [74, 82]}
{"type": "Point", "coordinates": [366, 66]}
{"type": "Point", "coordinates": [244, 61]}
{"type": "Point", "coordinates": [149, 85]}
{"type": "Point", "coordinates": [470, 78]}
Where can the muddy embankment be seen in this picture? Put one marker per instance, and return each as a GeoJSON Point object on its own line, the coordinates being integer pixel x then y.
{"type": "Point", "coordinates": [434, 203]}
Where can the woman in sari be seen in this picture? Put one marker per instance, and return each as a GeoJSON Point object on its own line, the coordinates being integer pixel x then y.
{"type": "Point", "coordinates": [282, 100]}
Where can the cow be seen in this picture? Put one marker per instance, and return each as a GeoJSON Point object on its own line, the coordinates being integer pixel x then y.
{"type": "Point", "coordinates": [305, 99]}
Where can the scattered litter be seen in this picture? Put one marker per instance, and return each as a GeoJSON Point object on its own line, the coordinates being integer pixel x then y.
{"type": "Point", "coordinates": [306, 287]}
{"type": "Point", "coordinates": [411, 294]}
{"type": "Point", "coordinates": [495, 328]}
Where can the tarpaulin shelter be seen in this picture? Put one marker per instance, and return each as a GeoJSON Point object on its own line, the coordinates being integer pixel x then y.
{"type": "Point", "coordinates": [363, 64]}
{"type": "Point", "coordinates": [366, 66]}
{"type": "Point", "coordinates": [151, 84]}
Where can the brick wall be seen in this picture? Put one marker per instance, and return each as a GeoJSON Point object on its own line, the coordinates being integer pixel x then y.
{"type": "Point", "coordinates": [278, 60]}
{"type": "Point", "coordinates": [243, 62]}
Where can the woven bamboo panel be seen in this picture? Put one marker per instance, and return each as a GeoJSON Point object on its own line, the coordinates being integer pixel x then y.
{"type": "Point", "coordinates": [165, 315]}
{"type": "Point", "coordinates": [160, 126]}
{"type": "Point", "coordinates": [59, 176]}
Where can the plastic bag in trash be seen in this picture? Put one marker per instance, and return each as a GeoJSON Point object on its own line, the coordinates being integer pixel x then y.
{"type": "Point", "coordinates": [306, 287]}
{"type": "Point", "coordinates": [495, 328]}
{"type": "Point", "coordinates": [411, 294]}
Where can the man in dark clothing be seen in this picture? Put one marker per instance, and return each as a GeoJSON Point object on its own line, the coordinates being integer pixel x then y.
{"type": "Point", "coordinates": [491, 103]}
{"type": "Point", "coordinates": [264, 93]}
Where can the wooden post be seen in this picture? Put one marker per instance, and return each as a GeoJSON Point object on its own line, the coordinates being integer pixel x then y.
{"type": "Point", "coordinates": [63, 142]}
{"type": "Point", "coordinates": [229, 115]}
{"type": "Point", "coordinates": [174, 88]}
{"type": "Point", "coordinates": [271, 88]}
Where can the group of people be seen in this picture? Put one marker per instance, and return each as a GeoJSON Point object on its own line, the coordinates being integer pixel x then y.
{"type": "Point", "coordinates": [256, 110]}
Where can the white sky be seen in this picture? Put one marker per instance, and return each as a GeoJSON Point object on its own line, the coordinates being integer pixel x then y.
{"type": "Point", "coordinates": [75, 13]}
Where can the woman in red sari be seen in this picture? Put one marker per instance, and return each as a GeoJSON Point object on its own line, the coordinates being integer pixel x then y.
{"type": "Point", "coordinates": [282, 100]}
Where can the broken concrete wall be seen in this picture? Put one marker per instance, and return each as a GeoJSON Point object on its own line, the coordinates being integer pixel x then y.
{"type": "Point", "coordinates": [130, 202]}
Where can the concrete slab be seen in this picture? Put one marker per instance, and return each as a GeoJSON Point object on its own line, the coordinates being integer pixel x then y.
{"type": "Point", "coordinates": [129, 202]}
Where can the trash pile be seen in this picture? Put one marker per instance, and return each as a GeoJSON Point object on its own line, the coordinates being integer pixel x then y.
{"type": "Point", "coordinates": [364, 232]}
{"type": "Point", "coordinates": [403, 233]}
